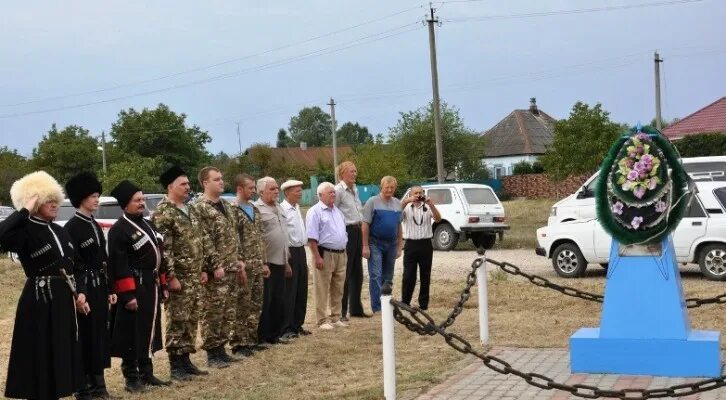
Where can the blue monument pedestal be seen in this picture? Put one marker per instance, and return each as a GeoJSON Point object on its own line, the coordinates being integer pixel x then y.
{"type": "Point", "coordinates": [644, 324]}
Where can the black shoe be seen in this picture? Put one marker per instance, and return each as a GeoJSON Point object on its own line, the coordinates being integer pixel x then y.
{"type": "Point", "coordinates": [151, 380]}
{"type": "Point", "coordinates": [134, 386]}
{"type": "Point", "coordinates": [98, 384]}
{"type": "Point", "coordinates": [177, 369]}
{"type": "Point", "coordinates": [130, 371]}
{"type": "Point", "coordinates": [190, 368]}
{"type": "Point", "coordinates": [289, 336]}
{"type": "Point", "coordinates": [146, 372]}
{"type": "Point", "coordinates": [344, 319]}
{"type": "Point", "coordinates": [226, 357]}
{"type": "Point", "coordinates": [245, 351]}
{"type": "Point", "coordinates": [262, 346]}
{"type": "Point", "coordinates": [303, 332]}
{"type": "Point", "coordinates": [214, 360]}
{"type": "Point", "coordinates": [279, 340]}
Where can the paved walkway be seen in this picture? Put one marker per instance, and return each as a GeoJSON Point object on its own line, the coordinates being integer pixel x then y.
{"type": "Point", "coordinates": [479, 382]}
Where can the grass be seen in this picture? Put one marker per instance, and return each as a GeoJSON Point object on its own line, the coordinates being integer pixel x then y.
{"type": "Point", "coordinates": [523, 217]}
{"type": "Point", "coordinates": [346, 363]}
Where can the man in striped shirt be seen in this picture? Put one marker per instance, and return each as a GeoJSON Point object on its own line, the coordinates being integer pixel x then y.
{"type": "Point", "coordinates": [418, 252]}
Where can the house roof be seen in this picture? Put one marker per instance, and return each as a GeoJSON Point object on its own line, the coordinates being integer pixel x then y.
{"type": "Point", "coordinates": [520, 132]}
{"type": "Point", "coordinates": [309, 157]}
{"type": "Point", "coordinates": [711, 118]}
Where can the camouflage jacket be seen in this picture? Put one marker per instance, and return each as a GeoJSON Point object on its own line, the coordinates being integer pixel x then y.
{"type": "Point", "coordinates": [251, 236]}
{"type": "Point", "coordinates": [183, 247]}
{"type": "Point", "coordinates": [219, 235]}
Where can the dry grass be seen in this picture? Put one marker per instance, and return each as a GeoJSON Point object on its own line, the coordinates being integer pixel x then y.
{"type": "Point", "coordinates": [346, 363]}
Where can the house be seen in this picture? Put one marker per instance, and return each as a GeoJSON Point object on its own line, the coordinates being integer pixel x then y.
{"type": "Point", "coordinates": [709, 119]}
{"type": "Point", "coordinates": [523, 135]}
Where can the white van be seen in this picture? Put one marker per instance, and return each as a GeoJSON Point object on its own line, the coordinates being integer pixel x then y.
{"type": "Point", "coordinates": [581, 204]}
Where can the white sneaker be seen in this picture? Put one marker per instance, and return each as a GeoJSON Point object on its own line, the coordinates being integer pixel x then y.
{"type": "Point", "coordinates": [340, 324]}
{"type": "Point", "coordinates": [326, 326]}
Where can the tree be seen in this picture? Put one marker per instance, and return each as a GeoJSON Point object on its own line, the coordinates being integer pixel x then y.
{"type": "Point", "coordinates": [283, 140]}
{"type": "Point", "coordinates": [665, 123]}
{"type": "Point", "coordinates": [161, 133]}
{"type": "Point", "coordinates": [413, 137]}
{"type": "Point", "coordinates": [142, 171]}
{"type": "Point", "coordinates": [12, 167]}
{"type": "Point", "coordinates": [702, 145]}
{"type": "Point", "coordinates": [580, 142]}
{"type": "Point", "coordinates": [353, 134]}
{"type": "Point", "coordinates": [374, 161]}
{"type": "Point", "coordinates": [65, 153]}
{"type": "Point", "coordinates": [312, 126]}
{"type": "Point", "coordinates": [525, 167]}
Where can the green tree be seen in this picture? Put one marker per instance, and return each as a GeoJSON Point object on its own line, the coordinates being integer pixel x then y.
{"type": "Point", "coordinates": [12, 167]}
{"type": "Point", "coordinates": [66, 152]}
{"type": "Point", "coordinates": [142, 171]}
{"type": "Point", "coordinates": [374, 161]}
{"type": "Point", "coordinates": [580, 142]}
{"type": "Point", "coordinates": [413, 138]}
{"type": "Point", "coordinates": [312, 126]}
{"type": "Point", "coordinates": [353, 134]}
{"type": "Point", "coordinates": [161, 133]}
{"type": "Point", "coordinates": [283, 140]}
{"type": "Point", "coordinates": [702, 145]}
{"type": "Point", "coordinates": [525, 167]}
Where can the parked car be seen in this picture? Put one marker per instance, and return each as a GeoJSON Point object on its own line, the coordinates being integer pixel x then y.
{"type": "Point", "coordinates": [108, 210]}
{"type": "Point", "coordinates": [5, 212]}
{"type": "Point", "coordinates": [468, 211]}
{"type": "Point", "coordinates": [581, 204]}
{"type": "Point", "coordinates": [699, 238]}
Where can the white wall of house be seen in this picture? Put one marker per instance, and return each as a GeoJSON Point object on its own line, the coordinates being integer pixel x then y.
{"type": "Point", "coordinates": [503, 166]}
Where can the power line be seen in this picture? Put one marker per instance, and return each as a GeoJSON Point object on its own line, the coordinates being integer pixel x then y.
{"type": "Point", "coordinates": [206, 67]}
{"type": "Point", "coordinates": [568, 12]}
{"type": "Point", "coordinates": [328, 50]}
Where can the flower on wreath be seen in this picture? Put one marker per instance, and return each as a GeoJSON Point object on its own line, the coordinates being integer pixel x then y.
{"type": "Point", "coordinates": [638, 170]}
{"type": "Point", "coordinates": [618, 208]}
{"type": "Point", "coordinates": [635, 223]}
{"type": "Point", "coordinates": [660, 206]}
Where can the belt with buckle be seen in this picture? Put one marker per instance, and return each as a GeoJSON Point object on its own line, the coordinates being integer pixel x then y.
{"type": "Point", "coordinates": [332, 250]}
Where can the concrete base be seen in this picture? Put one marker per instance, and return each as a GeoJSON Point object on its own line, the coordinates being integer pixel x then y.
{"type": "Point", "coordinates": [697, 355]}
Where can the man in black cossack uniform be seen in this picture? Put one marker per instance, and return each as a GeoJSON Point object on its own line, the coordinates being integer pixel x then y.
{"type": "Point", "coordinates": [88, 240]}
{"type": "Point", "coordinates": [134, 248]}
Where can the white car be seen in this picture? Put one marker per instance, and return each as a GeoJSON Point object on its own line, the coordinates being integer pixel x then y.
{"type": "Point", "coordinates": [468, 211]}
{"type": "Point", "coordinates": [699, 238]}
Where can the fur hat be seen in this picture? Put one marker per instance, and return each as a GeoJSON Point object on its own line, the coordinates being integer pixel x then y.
{"type": "Point", "coordinates": [170, 175]}
{"type": "Point", "coordinates": [36, 183]}
{"type": "Point", "coordinates": [124, 191]}
{"type": "Point", "coordinates": [81, 186]}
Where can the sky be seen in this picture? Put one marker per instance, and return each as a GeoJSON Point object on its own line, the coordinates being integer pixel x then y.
{"type": "Point", "coordinates": [257, 63]}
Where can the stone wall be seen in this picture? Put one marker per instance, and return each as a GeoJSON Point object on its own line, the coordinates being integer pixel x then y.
{"type": "Point", "coordinates": [538, 186]}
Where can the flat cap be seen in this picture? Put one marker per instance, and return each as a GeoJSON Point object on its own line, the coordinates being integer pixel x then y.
{"type": "Point", "coordinates": [290, 183]}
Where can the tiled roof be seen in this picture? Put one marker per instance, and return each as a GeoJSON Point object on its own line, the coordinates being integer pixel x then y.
{"type": "Point", "coordinates": [521, 132]}
{"type": "Point", "coordinates": [711, 118]}
{"type": "Point", "coordinates": [309, 157]}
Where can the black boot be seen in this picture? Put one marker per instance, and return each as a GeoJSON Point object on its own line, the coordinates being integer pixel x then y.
{"type": "Point", "coordinates": [98, 385]}
{"type": "Point", "coordinates": [245, 351]}
{"type": "Point", "coordinates": [177, 368]}
{"type": "Point", "coordinates": [84, 393]}
{"type": "Point", "coordinates": [226, 357]}
{"type": "Point", "coordinates": [190, 368]}
{"type": "Point", "coordinates": [214, 360]}
{"type": "Point", "coordinates": [130, 370]}
{"type": "Point", "coordinates": [146, 370]}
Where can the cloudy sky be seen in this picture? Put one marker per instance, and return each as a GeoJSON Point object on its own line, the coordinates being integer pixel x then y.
{"type": "Point", "coordinates": [258, 62]}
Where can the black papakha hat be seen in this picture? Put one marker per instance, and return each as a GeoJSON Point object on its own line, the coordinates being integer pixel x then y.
{"type": "Point", "coordinates": [124, 191]}
{"type": "Point", "coordinates": [170, 175]}
{"type": "Point", "coordinates": [81, 186]}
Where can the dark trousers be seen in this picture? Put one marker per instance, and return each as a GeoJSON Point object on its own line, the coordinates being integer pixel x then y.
{"type": "Point", "coordinates": [273, 305]}
{"type": "Point", "coordinates": [417, 254]}
{"type": "Point", "coordinates": [296, 291]}
{"type": "Point", "coordinates": [353, 272]}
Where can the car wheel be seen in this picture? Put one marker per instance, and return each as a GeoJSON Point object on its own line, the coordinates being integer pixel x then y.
{"type": "Point", "coordinates": [568, 261]}
{"type": "Point", "coordinates": [445, 238]}
{"type": "Point", "coordinates": [712, 261]}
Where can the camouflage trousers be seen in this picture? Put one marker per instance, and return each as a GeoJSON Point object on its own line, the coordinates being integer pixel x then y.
{"type": "Point", "coordinates": [182, 316]}
{"type": "Point", "coordinates": [219, 310]}
{"type": "Point", "coordinates": [249, 306]}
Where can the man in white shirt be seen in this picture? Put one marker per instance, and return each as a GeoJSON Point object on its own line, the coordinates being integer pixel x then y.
{"type": "Point", "coordinates": [296, 288]}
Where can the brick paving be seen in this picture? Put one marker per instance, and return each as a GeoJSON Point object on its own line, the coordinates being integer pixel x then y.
{"type": "Point", "coordinates": [476, 381]}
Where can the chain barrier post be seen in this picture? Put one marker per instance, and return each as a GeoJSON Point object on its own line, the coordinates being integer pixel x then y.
{"type": "Point", "coordinates": [389, 346]}
{"type": "Point", "coordinates": [481, 278]}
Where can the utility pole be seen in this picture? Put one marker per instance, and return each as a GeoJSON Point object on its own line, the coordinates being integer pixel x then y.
{"type": "Point", "coordinates": [658, 120]}
{"type": "Point", "coordinates": [239, 140]}
{"type": "Point", "coordinates": [103, 150]}
{"type": "Point", "coordinates": [335, 140]}
{"type": "Point", "coordinates": [440, 177]}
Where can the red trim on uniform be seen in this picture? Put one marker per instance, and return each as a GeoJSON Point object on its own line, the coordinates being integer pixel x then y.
{"type": "Point", "coordinates": [162, 278]}
{"type": "Point", "coordinates": [125, 285]}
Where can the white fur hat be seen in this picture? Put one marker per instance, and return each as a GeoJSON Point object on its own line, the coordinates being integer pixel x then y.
{"type": "Point", "coordinates": [40, 183]}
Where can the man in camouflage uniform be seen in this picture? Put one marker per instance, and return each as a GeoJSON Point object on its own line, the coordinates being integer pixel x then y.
{"type": "Point", "coordinates": [249, 300]}
{"type": "Point", "coordinates": [222, 271]}
{"type": "Point", "coordinates": [183, 256]}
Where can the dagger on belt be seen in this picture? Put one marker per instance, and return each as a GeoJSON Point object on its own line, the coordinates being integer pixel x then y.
{"type": "Point", "coordinates": [86, 308]}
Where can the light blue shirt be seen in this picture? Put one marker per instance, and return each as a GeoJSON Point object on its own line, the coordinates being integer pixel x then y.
{"type": "Point", "coordinates": [326, 225]}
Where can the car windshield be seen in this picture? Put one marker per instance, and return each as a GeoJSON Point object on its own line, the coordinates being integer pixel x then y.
{"type": "Point", "coordinates": [709, 171]}
{"type": "Point", "coordinates": [6, 211]}
{"type": "Point", "coordinates": [480, 196]}
{"type": "Point", "coordinates": [65, 212]}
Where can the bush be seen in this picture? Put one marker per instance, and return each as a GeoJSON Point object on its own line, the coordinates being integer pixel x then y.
{"type": "Point", "coordinates": [524, 167]}
{"type": "Point", "coordinates": [702, 145]}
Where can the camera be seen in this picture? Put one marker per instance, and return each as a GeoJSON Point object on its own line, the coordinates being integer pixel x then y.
{"type": "Point", "coordinates": [421, 198]}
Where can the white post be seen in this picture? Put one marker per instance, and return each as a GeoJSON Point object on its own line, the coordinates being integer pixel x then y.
{"type": "Point", "coordinates": [481, 279]}
{"type": "Point", "coordinates": [389, 347]}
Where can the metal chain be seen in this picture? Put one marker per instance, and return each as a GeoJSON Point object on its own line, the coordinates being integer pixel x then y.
{"type": "Point", "coordinates": [424, 324]}
{"type": "Point", "coordinates": [512, 269]}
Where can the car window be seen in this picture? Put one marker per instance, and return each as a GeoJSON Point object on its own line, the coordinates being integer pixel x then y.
{"type": "Point", "coordinates": [695, 210]}
{"type": "Point", "coordinates": [720, 194]}
{"type": "Point", "coordinates": [152, 202]}
{"type": "Point", "coordinates": [109, 211]}
{"type": "Point", "coordinates": [65, 212]}
{"type": "Point", "coordinates": [480, 196]}
{"type": "Point", "coordinates": [6, 211]}
{"type": "Point", "coordinates": [439, 196]}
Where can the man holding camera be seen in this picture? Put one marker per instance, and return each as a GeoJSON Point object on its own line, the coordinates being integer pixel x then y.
{"type": "Point", "coordinates": [418, 251]}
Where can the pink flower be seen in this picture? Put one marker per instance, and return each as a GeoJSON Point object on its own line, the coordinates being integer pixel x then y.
{"type": "Point", "coordinates": [641, 136]}
{"type": "Point", "coordinates": [639, 166]}
{"type": "Point", "coordinates": [639, 192]}
{"type": "Point", "coordinates": [652, 183]}
{"type": "Point", "coordinates": [647, 159]}
{"type": "Point", "coordinates": [660, 206]}
{"type": "Point", "coordinates": [627, 185]}
{"type": "Point", "coordinates": [617, 208]}
{"type": "Point", "coordinates": [632, 175]}
{"type": "Point", "coordinates": [635, 223]}
{"type": "Point", "coordinates": [629, 163]}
